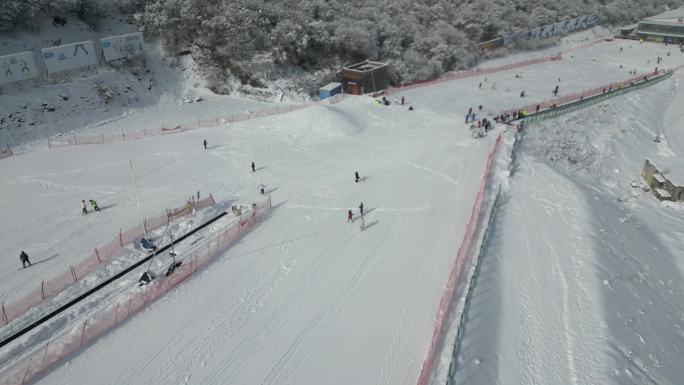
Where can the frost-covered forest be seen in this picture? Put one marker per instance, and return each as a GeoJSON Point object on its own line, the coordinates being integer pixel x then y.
{"type": "Point", "coordinates": [256, 41]}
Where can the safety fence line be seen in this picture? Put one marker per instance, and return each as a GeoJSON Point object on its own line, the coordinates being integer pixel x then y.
{"type": "Point", "coordinates": [556, 104]}
{"type": "Point", "coordinates": [582, 103]}
{"type": "Point", "coordinates": [6, 152]}
{"type": "Point", "coordinates": [83, 139]}
{"type": "Point", "coordinates": [469, 290]}
{"type": "Point", "coordinates": [446, 302]}
{"type": "Point", "coordinates": [476, 72]}
{"type": "Point", "coordinates": [597, 41]}
{"type": "Point", "coordinates": [52, 287]}
{"type": "Point", "coordinates": [59, 348]}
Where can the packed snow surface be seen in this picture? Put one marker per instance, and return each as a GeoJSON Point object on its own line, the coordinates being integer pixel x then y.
{"type": "Point", "coordinates": [576, 287]}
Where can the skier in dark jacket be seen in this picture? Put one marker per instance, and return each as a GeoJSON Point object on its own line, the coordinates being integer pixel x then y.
{"type": "Point", "coordinates": [253, 167]}
{"type": "Point", "coordinates": [350, 216]}
{"type": "Point", "coordinates": [205, 144]}
{"type": "Point", "coordinates": [361, 208]}
{"type": "Point", "coordinates": [356, 174]}
{"type": "Point", "coordinates": [24, 258]}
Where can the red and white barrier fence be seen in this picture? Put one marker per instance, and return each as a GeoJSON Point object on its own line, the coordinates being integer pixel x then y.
{"type": "Point", "coordinates": [60, 347]}
{"type": "Point", "coordinates": [50, 288]}
{"type": "Point", "coordinates": [462, 258]}
{"type": "Point", "coordinates": [80, 139]}
{"type": "Point", "coordinates": [466, 74]}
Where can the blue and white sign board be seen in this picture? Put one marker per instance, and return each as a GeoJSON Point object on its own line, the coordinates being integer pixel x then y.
{"type": "Point", "coordinates": [122, 46]}
{"type": "Point", "coordinates": [16, 67]}
{"type": "Point", "coordinates": [69, 56]}
{"type": "Point", "coordinates": [562, 27]}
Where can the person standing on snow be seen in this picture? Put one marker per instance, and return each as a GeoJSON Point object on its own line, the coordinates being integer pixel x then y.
{"type": "Point", "coordinates": [94, 204]}
{"type": "Point", "coordinates": [84, 209]}
{"type": "Point", "coordinates": [361, 208]}
{"type": "Point", "coordinates": [350, 216]}
{"type": "Point", "coordinates": [253, 167]}
{"type": "Point", "coordinates": [205, 144]}
{"type": "Point", "coordinates": [24, 259]}
{"type": "Point", "coordinates": [356, 174]}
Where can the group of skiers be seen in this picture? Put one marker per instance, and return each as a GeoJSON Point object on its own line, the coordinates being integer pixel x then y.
{"type": "Point", "coordinates": [350, 213]}
{"type": "Point", "coordinates": [384, 101]}
{"type": "Point", "coordinates": [93, 204]}
{"type": "Point", "coordinates": [24, 258]}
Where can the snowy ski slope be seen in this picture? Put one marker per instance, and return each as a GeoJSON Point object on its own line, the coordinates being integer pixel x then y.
{"type": "Point", "coordinates": [571, 291]}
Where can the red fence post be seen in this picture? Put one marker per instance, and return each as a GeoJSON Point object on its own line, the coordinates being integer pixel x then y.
{"type": "Point", "coordinates": [85, 323]}
{"type": "Point", "coordinates": [4, 314]}
{"type": "Point", "coordinates": [73, 273]}
{"type": "Point", "coordinates": [42, 361]}
{"type": "Point", "coordinates": [27, 370]}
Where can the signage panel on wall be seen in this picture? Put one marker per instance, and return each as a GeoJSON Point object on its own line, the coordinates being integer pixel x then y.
{"type": "Point", "coordinates": [16, 67]}
{"type": "Point", "coordinates": [122, 46]}
{"type": "Point", "coordinates": [69, 56]}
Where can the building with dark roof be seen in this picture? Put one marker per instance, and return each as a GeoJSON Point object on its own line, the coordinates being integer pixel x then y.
{"type": "Point", "coordinates": [667, 27]}
{"type": "Point", "coordinates": [364, 77]}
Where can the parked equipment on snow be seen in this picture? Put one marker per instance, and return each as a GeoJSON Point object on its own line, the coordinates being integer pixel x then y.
{"type": "Point", "coordinates": [147, 245]}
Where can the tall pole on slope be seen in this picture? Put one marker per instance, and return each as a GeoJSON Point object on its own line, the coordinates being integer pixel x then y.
{"type": "Point", "coordinates": [137, 198]}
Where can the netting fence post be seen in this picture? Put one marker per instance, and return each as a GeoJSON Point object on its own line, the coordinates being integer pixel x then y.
{"type": "Point", "coordinates": [116, 312]}
{"type": "Point", "coordinates": [97, 254]}
{"type": "Point", "coordinates": [42, 290]}
{"type": "Point", "coordinates": [27, 370]}
{"type": "Point", "coordinates": [42, 361]}
{"type": "Point", "coordinates": [73, 273]}
{"type": "Point", "coordinates": [120, 239]}
{"type": "Point", "coordinates": [85, 323]}
{"type": "Point", "coordinates": [4, 314]}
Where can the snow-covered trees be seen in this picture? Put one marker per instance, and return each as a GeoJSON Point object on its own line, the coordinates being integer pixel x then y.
{"type": "Point", "coordinates": [422, 39]}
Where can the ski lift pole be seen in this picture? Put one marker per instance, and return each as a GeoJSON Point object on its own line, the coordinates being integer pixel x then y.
{"type": "Point", "coordinates": [137, 198]}
{"type": "Point", "coordinates": [157, 249]}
